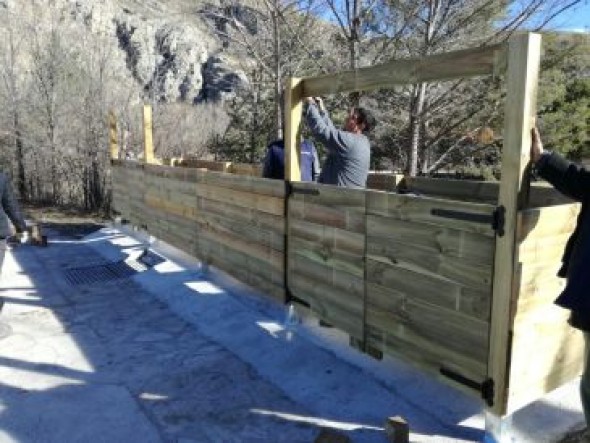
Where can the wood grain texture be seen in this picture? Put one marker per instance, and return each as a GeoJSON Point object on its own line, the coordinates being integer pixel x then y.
{"type": "Point", "coordinates": [446, 66]}
{"type": "Point", "coordinates": [520, 108]}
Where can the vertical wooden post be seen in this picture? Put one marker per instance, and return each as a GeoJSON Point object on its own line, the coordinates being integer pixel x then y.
{"type": "Point", "coordinates": [113, 136]}
{"type": "Point", "coordinates": [293, 109]}
{"type": "Point", "coordinates": [148, 146]}
{"type": "Point", "coordinates": [523, 72]}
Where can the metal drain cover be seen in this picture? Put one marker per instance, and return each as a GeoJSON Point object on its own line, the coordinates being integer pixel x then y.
{"type": "Point", "coordinates": [5, 330]}
{"type": "Point", "coordinates": [99, 273]}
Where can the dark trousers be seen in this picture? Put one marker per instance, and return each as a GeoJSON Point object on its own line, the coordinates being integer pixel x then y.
{"type": "Point", "coordinates": [585, 382]}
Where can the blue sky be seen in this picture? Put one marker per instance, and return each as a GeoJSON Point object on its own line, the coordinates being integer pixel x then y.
{"type": "Point", "coordinates": [575, 19]}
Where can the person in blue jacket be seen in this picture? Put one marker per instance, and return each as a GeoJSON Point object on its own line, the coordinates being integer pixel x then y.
{"type": "Point", "coordinates": [574, 182]}
{"type": "Point", "coordinates": [274, 162]}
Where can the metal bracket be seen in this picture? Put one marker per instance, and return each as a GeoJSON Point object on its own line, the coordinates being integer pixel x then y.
{"type": "Point", "coordinates": [486, 388]}
{"type": "Point", "coordinates": [291, 190]}
{"type": "Point", "coordinates": [496, 219]}
{"type": "Point", "coordinates": [460, 215]}
{"type": "Point", "coordinates": [291, 298]}
{"type": "Point", "coordinates": [499, 220]}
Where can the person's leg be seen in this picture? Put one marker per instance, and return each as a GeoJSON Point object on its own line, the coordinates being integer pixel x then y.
{"type": "Point", "coordinates": [2, 252]}
{"type": "Point", "coordinates": [585, 382]}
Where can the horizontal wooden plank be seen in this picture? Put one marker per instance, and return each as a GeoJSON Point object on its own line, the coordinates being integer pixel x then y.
{"type": "Point", "coordinates": [427, 355]}
{"type": "Point", "coordinates": [243, 267]}
{"type": "Point", "coordinates": [254, 185]}
{"type": "Point", "coordinates": [266, 255]}
{"type": "Point", "coordinates": [327, 238]}
{"type": "Point", "coordinates": [439, 67]}
{"type": "Point", "coordinates": [332, 258]}
{"type": "Point", "coordinates": [471, 217]}
{"type": "Point", "coordinates": [264, 203]}
{"type": "Point", "coordinates": [169, 206]}
{"type": "Point", "coordinates": [385, 233]}
{"type": "Point", "coordinates": [435, 290]}
{"type": "Point", "coordinates": [463, 190]}
{"type": "Point", "coordinates": [342, 310]}
{"type": "Point", "coordinates": [351, 284]}
{"type": "Point", "coordinates": [328, 195]}
{"type": "Point", "coordinates": [254, 170]}
{"type": "Point", "coordinates": [349, 219]}
{"type": "Point", "coordinates": [240, 214]}
{"type": "Point", "coordinates": [423, 261]}
{"type": "Point", "coordinates": [538, 223]}
{"type": "Point", "coordinates": [543, 249]}
{"type": "Point", "coordinates": [442, 327]}
{"type": "Point", "coordinates": [263, 237]}
{"type": "Point", "coordinates": [383, 182]}
{"type": "Point", "coordinates": [546, 352]}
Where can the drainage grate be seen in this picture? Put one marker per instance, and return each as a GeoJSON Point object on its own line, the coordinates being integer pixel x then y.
{"type": "Point", "coordinates": [99, 273]}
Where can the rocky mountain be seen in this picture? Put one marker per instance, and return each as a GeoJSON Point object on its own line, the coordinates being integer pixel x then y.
{"type": "Point", "coordinates": [173, 49]}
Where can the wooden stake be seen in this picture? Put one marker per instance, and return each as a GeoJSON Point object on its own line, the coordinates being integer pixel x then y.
{"type": "Point", "coordinates": [293, 109]}
{"type": "Point", "coordinates": [113, 136]}
{"type": "Point", "coordinates": [522, 76]}
{"type": "Point", "coordinates": [397, 430]}
{"type": "Point", "coordinates": [148, 146]}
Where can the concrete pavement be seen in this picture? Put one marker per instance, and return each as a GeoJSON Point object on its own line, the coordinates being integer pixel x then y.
{"type": "Point", "coordinates": [176, 354]}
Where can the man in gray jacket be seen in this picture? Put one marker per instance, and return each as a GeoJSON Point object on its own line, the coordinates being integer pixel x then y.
{"type": "Point", "coordinates": [9, 209]}
{"type": "Point", "coordinates": [349, 150]}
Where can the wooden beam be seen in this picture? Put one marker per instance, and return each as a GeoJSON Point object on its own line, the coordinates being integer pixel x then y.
{"type": "Point", "coordinates": [113, 136]}
{"type": "Point", "coordinates": [148, 146]}
{"type": "Point", "coordinates": [523, 71]}
{"type": "Point", "coordinates": [293, 109]}
{"type": "Point", "coordinates": [439, 67]}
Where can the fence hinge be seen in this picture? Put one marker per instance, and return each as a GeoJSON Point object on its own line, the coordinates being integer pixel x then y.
{"type": "Point", "coordinates": [292, 298]}
{"type": "Point", "coordinates": [499, 218]}
{"type": "Point", "coordinates": [292, 190]}
{"type": "Point", "coordinates": [486, 388]}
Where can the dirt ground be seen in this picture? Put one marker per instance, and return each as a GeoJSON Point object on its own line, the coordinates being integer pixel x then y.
{"type": "Point", "coordinates": [66, 222]}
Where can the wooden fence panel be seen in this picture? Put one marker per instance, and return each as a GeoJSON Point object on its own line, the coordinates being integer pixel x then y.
{"type": "Point", "coordinates": [242, 228]}
{"type": "Point", "coordinates": [128, 182]}
{"type": "Point", "coordinates": [546, 352]}
{"type": "Point", "coordinates": [429, 276]}
{"type": "Point", "coordinates": [325, 253]}
{"type": "Point", "coordinates": [236, 223]}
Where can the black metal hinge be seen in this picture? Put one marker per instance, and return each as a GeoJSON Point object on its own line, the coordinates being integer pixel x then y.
{"type": "Point", "coordinates": [495, 219]}
{"type": "Point", "coordinates": [292, 190]}
{"type": "Point", "coordinates": [499, 220]}
{"type": "Point", "coordinates": [486, 388]}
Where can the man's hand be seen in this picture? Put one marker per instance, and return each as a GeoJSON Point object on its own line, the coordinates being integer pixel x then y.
{"type": "Point", "coordinates": [320, 103]}
{"type": "Point", "coordinates": [536, 145]}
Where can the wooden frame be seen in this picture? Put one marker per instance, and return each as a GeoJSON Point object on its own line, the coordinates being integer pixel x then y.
{"type": "Point", "coordinates": [521, 58]}
{"type": "Point", "coordinates": [459, 281]}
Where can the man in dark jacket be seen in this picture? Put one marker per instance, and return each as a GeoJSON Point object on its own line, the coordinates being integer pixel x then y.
{"type": "Point", "coordinates": [274, 162]}
{"type": "Point", "coordinates": [349, 149]}
{"type": "Point", "coordinates": [574, 182]}
{"type": "Point", "coordinates": [9, 209]}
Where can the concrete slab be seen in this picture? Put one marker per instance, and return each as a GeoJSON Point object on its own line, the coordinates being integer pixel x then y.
{"type": "Point", "coordinates": [179, 353]}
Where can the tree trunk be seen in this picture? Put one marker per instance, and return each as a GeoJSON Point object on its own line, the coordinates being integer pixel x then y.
{"type": "Point", "coordinates": [278, 75]}
{"type": "Point", "coordinates": [418, 97]}
{"type": "Point", "coordinates": [353, 47]}
{"type": "Point", "coordinates": [21, 183]}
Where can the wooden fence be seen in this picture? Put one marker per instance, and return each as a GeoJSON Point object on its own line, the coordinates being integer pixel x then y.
{"type": "Point", "coordinates": [457, 277]}
{"type": "Point", "coordinates": [406, 275]}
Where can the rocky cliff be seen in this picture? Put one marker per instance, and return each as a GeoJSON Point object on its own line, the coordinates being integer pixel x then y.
{"type": "Point", "coordinates": [173, 49]}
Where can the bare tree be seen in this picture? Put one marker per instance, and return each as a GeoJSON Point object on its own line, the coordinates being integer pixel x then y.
{"type": "Point", "coordinates": [11, 74]}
